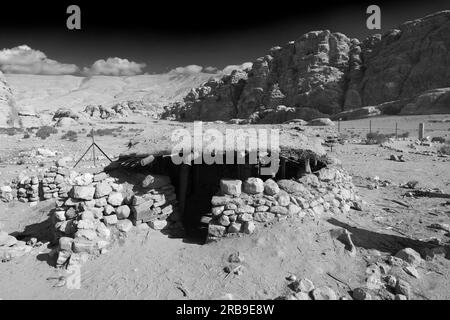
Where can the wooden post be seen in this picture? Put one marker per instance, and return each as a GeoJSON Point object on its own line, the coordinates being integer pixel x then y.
{"type": "Point", "coordinates": [147, 160]}
{"type": "Point", "coordinates": [307, 166]}
{"type": "Point", "coordinates": [283, 168]}
{"type": "Point", "coordinates": [396, 130]}
{"type": "Point", "coordinates": [421, 130]}
{"type": "Point", "coordinates": [339, 125]}
{"type": "Point", "coordinates": [182, 188]}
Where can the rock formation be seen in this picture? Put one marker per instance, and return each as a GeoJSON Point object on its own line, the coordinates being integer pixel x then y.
{"type": "Point", "coordinates": [8, 113]}
{"type": "Point", "coordinates": [323, 73]}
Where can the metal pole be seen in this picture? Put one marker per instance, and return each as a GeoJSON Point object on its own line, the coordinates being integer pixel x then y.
{"type": "Point", "coordinates": [96, 145]}
{"type": "Point", "coordinates": [370, 126]}
{"type": "Point", "coordinates": [93, 146]}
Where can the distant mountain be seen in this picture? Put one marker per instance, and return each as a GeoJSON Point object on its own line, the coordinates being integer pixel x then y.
{"type": "Point", "coordinates": [406, 70]}
{"type": "Point", "coordinates": [38, 94]}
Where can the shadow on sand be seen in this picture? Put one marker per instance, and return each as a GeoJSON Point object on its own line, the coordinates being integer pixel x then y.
{"type": "Point", "coordinates": [386, 242]}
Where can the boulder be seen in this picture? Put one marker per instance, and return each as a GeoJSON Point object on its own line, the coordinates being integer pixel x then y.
{"type": "Point", "coordinates": [158, 224]}
{"type": "Point", "coordinates": [291, 186]}
{"type": "Point", "coordinates": [216, 230]}
{"type": "Point", "coordinates": [115, 199]}
{"type": "Point", "coordinates": [248, 227]}
{"type": "Point", "coordinates": [83, 192]}
{"type": "Point", "coordinates": [124, 225]}
{"type": "Point", "coordinates": [230, 187]}
{"type": "Point", "coordinates": [324, 293]}
{"type": "Point", "coordinates": [123, 212]}
{"type": "Point", "coordinates": [279, 210]}
{"type": "Point", "coordinates": [253, 186]}
{"type": "Point", "coordinates": [271, 187]}
{"type": "Point", "coordinates": [234, 227]}
{"type": "Point", "coordinates": [283, 199]}
{"type": "Point", "coordinates": [102, 190]}
{"type": "Point", "coordinates": [264, 216]}
{"type": "Point", "coordinates": [409, 255]}
{"type": "Point", "coordinates": [110, 220]}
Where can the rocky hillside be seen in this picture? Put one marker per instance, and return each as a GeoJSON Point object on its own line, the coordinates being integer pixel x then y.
{"type": "Point", "coordinates": [38, 96]}
{"type": "Point", "coordinates": [7, 106]}
{"type": "Point", "coordinates": [323, 73]}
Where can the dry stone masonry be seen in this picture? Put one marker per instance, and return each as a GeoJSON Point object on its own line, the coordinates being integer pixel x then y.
{"type": "Point", "coordinates": [240, 207]}
{"type": "Point", "coordinates": [99, 208]}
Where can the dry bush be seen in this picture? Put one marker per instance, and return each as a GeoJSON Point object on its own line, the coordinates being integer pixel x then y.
{"type": "Point", "coordinates": [70, 136]}
{"type": "Point", "coordinates": [438, 139]}
{"type": "Point", "coordinates": [445, 149]}
{"type": "Point", "coordinates": [45, 131]}
{"type": "Point", "coordinates": [10, 131]}
{"type": "Point", "coordinates": [377, 137]}
{"type": "Point", "coordinates": [106, 132]}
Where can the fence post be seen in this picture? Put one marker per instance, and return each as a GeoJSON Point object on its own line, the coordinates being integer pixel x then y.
{"type": "Point", "coordinates": [421, 130]}
{"type": "Point", "coordinates": [370, 126]}
{"type": "Point", "coordinates": [93, 147]}
{"type": "Point", "coordinates": [396, 130]}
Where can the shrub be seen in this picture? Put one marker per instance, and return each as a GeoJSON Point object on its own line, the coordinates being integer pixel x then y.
{"type": "Point", "coordinates": [404, 135]}
{"type": "Point", "coordinates": [438, 139]}
{"type": "Point", "coordinates": [70, 136]}
{"type": "Point", "coordinates": [104, 132]}
{"type": "Point", "coordinates": [377, 138]}
{"type": "Point", "coordinates": [45, 131]}
{"type": "Point", "coordinates": [26, 135]}
{"type": "Point", "coordinates": [445, 149]}
{"type": "Point", "coordinates": [10, 131]}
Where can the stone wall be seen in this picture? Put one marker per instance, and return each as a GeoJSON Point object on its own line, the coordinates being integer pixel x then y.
{"type": "Point", "coordinates": [243, 207]}
{"type": "Point", "coordinates": [99, 208]}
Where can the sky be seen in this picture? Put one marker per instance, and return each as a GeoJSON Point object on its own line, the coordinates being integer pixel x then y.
{"type": "Point", "coordinates": [135, 37]}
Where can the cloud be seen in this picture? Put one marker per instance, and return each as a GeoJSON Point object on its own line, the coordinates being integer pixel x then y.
{"type": "Point", "coordinates": [23, 59]}
{"type": "Point", "coordinates": [211, 70]}
{"type": "Point", "coordinates": [190, 69]}
{"type": "Point", "coordinates": [194, 69]}
{"type": "Point", "coordinates": [228, 69]}
{"type": "Point", "coordinates": [114, 67]}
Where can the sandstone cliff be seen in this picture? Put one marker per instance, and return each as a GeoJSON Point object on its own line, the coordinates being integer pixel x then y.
{"type": "Point", "coordinates": [8, 114]}
{"type": "Point", "coordinates": [323, 73]}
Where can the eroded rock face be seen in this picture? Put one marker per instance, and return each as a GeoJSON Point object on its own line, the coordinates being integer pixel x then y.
{"type": "Point", "coordinates": [407, 61]}
{"type": "Point", "coordinates": [8, 113]}
{"type": "Point", "coordinates": [323, 73]}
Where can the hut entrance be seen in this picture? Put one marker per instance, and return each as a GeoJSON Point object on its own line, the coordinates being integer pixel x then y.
{"type": "Point", "coordinates": [202, 183]}
{"type": "Point", "coordinates": [196, 184]}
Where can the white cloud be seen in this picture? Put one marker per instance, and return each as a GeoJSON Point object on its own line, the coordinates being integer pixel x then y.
{"type": "Point", "coordinates": [190, 69]}
{"type": "Point", "coordinates": [114, 67]}
{"type": "Point", "coordinates": [23, 59]}
{"type": "Point", "coordinates": [194, 69]}
{"type": "Point", "coordinates": [228, 69]}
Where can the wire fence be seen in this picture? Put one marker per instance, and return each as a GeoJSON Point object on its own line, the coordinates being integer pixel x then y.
{"type": "Point", "coordinates": [395, 129]}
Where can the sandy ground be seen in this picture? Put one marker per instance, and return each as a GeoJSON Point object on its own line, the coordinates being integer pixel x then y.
{"type": "Point", "coordinates": [150, 265]}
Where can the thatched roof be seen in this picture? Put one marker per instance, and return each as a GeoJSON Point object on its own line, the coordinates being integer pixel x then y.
{"type": "Point", "coordinates": [156, 140]}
